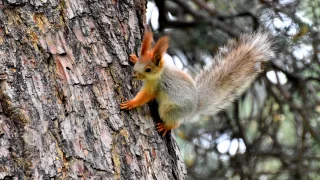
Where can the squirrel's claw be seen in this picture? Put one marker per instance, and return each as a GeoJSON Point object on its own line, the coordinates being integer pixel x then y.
{"type": "Point", "coordinates": [127, 105]}
{"type": "Point", "coordinates": [133, 58]}
{"type": "Point", "coordinates": [162, 128]}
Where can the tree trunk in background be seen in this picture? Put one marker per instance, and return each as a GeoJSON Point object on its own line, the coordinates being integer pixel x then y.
{"type": "Point", "coordinates": [63, 72]}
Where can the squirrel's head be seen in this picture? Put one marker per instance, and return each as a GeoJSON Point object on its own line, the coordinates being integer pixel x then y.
{"type": "Point", "coordinates": [150, 64]}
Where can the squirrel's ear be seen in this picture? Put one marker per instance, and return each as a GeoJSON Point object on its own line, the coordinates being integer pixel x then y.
{"type": "Point", "coordinates": [157, 58]}
{"type": "Point", "coordinates": [159, 49]}
{"type": "Point", "coordinates": [146, 43]}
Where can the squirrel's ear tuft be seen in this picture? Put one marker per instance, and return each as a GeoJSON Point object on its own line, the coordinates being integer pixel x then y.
{"type": "Point", "coordinates": [160, 48]}
{"type": "Point", "coordinates": [146, 43]}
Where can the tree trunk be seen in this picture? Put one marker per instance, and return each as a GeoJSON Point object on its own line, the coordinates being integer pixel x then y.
{"type": "Point", "coordinates": [63, 72]}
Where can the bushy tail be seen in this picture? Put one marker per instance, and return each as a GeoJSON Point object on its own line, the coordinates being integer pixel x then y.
{"type": "Point", "coordinates": [237, 65]}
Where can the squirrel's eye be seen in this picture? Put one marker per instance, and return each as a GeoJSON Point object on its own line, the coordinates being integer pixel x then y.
{"type": "Point", "coordinates": [148, 70]}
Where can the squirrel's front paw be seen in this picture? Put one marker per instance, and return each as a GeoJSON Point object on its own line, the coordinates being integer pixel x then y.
{"type": "Point", "coordinates": [133, 58]}
{"type": "Point", "coordinates": [127, 105]}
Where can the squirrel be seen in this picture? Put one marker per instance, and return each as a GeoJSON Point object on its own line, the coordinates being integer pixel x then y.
{"type": "Point", "coordinates": [180, 97]}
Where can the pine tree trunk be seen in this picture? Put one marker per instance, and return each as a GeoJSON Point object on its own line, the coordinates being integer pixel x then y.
{"type": "Point", "coordinates": [63, 72]}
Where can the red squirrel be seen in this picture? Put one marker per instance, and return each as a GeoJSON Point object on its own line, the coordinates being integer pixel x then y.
{"type": "Point", "coordinates": [181, 98]}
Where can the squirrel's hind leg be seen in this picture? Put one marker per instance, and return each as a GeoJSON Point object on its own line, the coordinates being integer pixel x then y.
{"type": "Point", "coordinates": [170, 114]}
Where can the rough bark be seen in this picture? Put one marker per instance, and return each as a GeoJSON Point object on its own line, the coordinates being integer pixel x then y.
{"type": "Point", "coordinates": [63, 72]}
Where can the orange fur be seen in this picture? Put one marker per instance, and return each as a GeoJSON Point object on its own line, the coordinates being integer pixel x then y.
{"type": "Point", "coordinates": [147, 56]}
{"type": "Point", "coordinates": [162, 127]}
{"type": "Point", "coordinates": [133, 58]}
{"type": "Point", "coordinates": [146, 43]}
{"type": "Point", "coordinates": [160, 48]}
{"type": "Point", "coordinates": [143, 96]}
